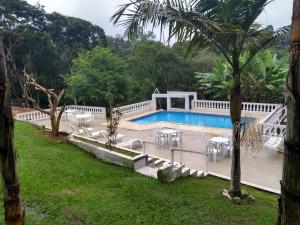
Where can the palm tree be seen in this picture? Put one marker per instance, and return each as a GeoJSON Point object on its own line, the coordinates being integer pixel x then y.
{"type": "Point", "coordinates": [227, 25]}
{"type": "Point", "coordinates": [289, 203]}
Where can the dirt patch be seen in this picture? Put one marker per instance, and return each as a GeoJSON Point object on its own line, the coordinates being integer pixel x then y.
{"type": "Point", "coordinates": [74, 219]}
{"type": "Point", "coordinates": [17, 110]}
{"type": "Point", "coordinates": [69, 192]}
{"type": "Point", "coordinates": [62, 136]}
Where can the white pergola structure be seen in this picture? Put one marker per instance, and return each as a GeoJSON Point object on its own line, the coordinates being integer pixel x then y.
{"type": "Point", "coordinates": [174, 94]}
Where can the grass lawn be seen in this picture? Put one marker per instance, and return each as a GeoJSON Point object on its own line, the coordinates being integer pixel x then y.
{"type": "Point", "coordinates": [62, 184]}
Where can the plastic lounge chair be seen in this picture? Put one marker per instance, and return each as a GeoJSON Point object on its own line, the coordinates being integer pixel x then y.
{"type": "Point", "coordinates": [131, 144]}
{"type": "Point", "coordinates": [119, 137]}
{"type": "Point", "coordinates": [104, 134]}
{"type": "Point", "coordinates": [273, 142]}
{"type": "Point", "coordinates": [77, 131]}
{"type": "Point", "coordinates": [91, 132]}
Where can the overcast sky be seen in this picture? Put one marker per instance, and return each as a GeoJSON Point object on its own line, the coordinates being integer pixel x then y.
{"type": "Point", "coordinates": [278, 13]}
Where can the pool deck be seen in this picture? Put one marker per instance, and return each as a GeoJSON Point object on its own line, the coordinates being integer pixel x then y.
{"type": "Point", "coordinates": [128, 124]}
{"type": "Point", "coordinates": [264, 169]}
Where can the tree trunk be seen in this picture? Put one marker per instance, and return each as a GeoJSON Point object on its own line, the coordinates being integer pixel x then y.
{"type": "Point", "coordinates": [54, 125]}
{"type": "Point", "coordinates": [289, 202]}
{"type": "Point", "coordinates": [235, 113]}
{"type": "Point", "coordinates": [10, 181]}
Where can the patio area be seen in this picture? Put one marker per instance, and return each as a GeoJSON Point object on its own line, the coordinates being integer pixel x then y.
{"type": "Point", "coordinates": [264, 169]}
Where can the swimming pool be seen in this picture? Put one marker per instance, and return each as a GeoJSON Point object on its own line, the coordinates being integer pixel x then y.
{"type": "Point", "coordinates": [190, 118]}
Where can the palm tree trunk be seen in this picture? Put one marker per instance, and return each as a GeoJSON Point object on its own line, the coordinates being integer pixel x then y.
{"type": "Point", "coordinates": [10, 181]}
{"type": "Point", "coordinates": [289, 202]}
{"type": "Point", "coordinates": [235, 113]}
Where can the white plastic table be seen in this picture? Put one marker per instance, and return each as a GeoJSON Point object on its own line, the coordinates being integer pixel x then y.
{"type": "Point", "coordinates": [220, 140]}
{"type": "Point", "coordinates": [168, 131]}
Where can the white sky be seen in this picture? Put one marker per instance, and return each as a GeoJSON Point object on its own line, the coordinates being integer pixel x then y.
{"type": "Point", "coordinates": [278, 13]}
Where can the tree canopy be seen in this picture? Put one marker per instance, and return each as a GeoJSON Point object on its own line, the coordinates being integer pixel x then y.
{"type": "Point", "coordinates": [94, 74]}
{"type": "Point", "coordinates": [44, 44]}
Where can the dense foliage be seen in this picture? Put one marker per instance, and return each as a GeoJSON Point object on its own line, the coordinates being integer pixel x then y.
{"type": "Point", "coordinates": [94, 74]}
{"type": "Point", "coordinates": [52, 46]}
{"type": "Point", "coordinates": [262, 81]}
{"type": "Point", "coordinates": [162, 67]}
{"type": "Point", "coordinates": [44, 44]}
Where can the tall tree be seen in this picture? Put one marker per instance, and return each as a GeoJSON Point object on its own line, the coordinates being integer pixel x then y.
{"type": "Point", "coordinates": [227, 25]}
{"type": "Point", "coordinates": [10, 180]}
{"type": "Point", "coordinates": [45, 43]}
{"type": "Point", "coordinates": [289, 202]}
{"type": "Point", "coordinates": [93, 73]}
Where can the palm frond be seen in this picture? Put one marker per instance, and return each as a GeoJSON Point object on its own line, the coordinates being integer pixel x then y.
{"type": "Point", "coordinates": [259, 39]}
{"type": "Point", "coordinates": [183, 18]}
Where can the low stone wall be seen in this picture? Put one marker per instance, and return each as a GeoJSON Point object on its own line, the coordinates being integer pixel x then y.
{"type": "Point", "coordinates": [112, 157]}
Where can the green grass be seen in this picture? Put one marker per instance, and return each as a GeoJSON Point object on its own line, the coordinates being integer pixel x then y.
{"type": "Point", "coordinates": [114, 149]}
{"type": "Point", "coordinates": [62, 184]}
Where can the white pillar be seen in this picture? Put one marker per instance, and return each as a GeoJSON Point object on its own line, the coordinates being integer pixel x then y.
{"type": "Point", "coordinates": [168, 103]}
{"type": "Point", "coordinates": [187, 103]}
{"type": "Point", "coordinates": [195, 96]}
{"type": "Point", "coordinates": [153, 107]}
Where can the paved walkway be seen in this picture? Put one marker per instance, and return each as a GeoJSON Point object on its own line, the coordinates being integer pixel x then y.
{"type": "Point", "coordinates": [264, 169]}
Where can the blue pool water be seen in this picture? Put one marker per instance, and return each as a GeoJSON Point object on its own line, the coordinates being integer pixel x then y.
{"type": "Point", "coordinates": [200, 119]}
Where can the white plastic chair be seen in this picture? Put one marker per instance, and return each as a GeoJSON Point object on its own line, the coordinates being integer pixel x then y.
{"type": "Point", "coordinates": [177, 138]}
{"type": "Point", "coordinates": [213, 152]}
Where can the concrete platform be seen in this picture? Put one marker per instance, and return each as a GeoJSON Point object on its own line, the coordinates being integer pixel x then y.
{"type": "Point", "coordinates": [263, 169]}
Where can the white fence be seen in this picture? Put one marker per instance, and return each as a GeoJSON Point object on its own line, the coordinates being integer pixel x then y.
{"type": "Point", "coordinates": [273, 129]}
{"type": "Point", "coordinates": [273, 125]}
{"type": "Point", "coordinates": [246, 106]}
{"type": "Point", "coordinates": [140, 107]}
{"type": "Point", "coordinates": [277, 116]}
{"type": "Point", "coordinates": [31, 116]}
{"type": "Point", "coordinates": [101, 111]}
{"type": "Point", "coordinates": [37, 115]}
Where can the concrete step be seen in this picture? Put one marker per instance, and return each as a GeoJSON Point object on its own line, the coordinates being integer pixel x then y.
{"type": "Point", "coordinates": [193, 173]}
{"type": "Point", "coordinates": [148, 171]}
{"type": "Point", "coordinates": [150, 158]}
{"type": "Point", "coordinates": [185, 172]}
{"type": "Point", "coordinates": [200, 174]}
{"type": "Point", "coordinates": [177, 170]}
{"type": "Point", "coordinates": [151, 161]}
{"type": "Point", "coordinates": [166, 163]}
{"type": "Point", "coordinates": [158, 162]}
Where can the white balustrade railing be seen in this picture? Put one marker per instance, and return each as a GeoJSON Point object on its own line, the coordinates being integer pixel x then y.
{"type": "Point", "coordinates": [31, 116]}
{"type": "Point", "coordinates": [246, 106]}
{"type": "Point", "coordinates": [210, 104]}
{"type": "Point", "coordinates": [277, 116]}
{"type": "Point", "coordinates": [137, 107]}
{"type": "Point", "coordinates": [101, 111]}
{"type": "Point", "coordinates": [37, 115]}
{"type": "Point", "coordinates": [273, 129]}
